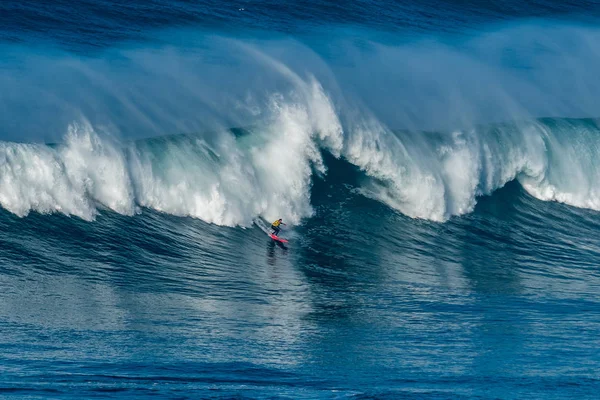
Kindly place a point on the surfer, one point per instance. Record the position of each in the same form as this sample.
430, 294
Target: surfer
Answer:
275, 226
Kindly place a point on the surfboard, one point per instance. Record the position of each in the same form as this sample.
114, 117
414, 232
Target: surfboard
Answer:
277, 238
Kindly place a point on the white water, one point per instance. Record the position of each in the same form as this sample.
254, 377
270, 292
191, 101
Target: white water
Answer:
272, 177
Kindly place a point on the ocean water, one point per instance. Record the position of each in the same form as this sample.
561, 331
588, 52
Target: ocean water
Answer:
437, 165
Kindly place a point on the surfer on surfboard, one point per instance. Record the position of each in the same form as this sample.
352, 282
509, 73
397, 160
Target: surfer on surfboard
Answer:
275, 226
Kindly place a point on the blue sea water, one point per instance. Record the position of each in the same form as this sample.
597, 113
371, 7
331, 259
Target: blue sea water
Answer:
436, 163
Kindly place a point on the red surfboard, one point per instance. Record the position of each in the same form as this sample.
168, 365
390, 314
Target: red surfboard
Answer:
278, 238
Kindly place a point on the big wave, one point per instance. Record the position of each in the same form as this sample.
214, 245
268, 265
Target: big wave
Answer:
470, 126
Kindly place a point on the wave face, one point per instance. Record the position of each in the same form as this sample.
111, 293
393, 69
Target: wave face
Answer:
436, 165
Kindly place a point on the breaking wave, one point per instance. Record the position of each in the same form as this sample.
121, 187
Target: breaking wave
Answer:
432, 125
